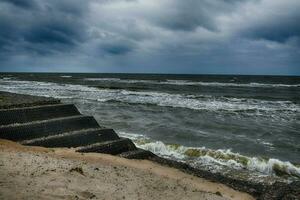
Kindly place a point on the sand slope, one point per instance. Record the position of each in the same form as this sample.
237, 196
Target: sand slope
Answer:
40, 173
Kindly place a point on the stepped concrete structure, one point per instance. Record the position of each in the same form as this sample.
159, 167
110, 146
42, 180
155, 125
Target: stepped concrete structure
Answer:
40, 121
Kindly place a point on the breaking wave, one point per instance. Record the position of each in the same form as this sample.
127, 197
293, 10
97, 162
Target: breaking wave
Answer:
215, 158
273, 109
193, 83
220, 84
121, 80
102, 79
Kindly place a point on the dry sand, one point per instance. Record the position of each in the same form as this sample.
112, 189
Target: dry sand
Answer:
41, 173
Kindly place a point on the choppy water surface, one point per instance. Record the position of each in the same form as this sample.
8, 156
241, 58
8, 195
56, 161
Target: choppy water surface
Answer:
248, 123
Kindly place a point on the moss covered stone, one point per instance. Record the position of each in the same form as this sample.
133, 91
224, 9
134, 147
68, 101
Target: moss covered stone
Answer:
217, 155
141, 141
194, 153
280, 170
174, 146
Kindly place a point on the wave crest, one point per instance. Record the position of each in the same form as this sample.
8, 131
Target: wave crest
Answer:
246, 106
192, 83
215, 158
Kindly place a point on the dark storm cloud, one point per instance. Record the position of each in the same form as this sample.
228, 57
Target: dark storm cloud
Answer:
41, 26
54, 31
117, 49
191, 36
279, 23
6, 31
22, 3
279, 32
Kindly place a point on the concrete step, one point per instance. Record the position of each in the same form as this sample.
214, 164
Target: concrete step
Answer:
75, 138
37, 129
137, 154
36, 113
109, 147
12, 100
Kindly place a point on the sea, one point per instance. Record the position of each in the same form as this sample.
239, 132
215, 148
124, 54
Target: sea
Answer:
230, 124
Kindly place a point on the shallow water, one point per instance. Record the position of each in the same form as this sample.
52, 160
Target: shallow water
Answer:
241, 122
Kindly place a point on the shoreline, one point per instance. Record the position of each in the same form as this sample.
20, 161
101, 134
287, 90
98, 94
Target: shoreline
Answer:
42, 171
12, 101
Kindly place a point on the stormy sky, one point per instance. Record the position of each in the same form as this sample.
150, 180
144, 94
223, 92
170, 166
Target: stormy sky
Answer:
151, 36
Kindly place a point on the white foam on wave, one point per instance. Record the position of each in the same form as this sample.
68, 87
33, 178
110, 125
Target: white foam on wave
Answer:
46, 89
214, 158
120, 80
194, 83
102, 79
205, 102
224, 84
66, 76
7, 78
273, 109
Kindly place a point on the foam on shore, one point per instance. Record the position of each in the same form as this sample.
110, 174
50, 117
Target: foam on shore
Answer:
216, 158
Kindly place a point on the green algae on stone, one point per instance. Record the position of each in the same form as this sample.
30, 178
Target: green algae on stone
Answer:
280, 170
226, 156
141, 141
217, 155
174, 146
296, 165
192, 153
195, 153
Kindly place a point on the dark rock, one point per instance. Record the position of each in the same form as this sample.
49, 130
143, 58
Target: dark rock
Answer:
218, 193
137, 154
77, 169
255, 189
282, 191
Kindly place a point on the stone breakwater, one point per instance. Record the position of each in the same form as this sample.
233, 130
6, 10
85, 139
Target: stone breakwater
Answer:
46, 122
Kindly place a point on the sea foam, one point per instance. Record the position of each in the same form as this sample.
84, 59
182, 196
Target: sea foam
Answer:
284, 110
214, 158
192, 83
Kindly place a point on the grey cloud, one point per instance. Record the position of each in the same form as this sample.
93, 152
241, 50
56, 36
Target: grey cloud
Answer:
54, 31
275, 20
150, 36
117, 49
186, 16
275, 31
50, 28
189, 14
76, 8
22, 3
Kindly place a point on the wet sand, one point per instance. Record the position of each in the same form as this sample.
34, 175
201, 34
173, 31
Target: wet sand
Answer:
41, 173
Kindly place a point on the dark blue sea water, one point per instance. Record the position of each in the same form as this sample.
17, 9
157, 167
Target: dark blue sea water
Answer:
239, 122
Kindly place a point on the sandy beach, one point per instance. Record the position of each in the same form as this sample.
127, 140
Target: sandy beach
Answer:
41, 173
